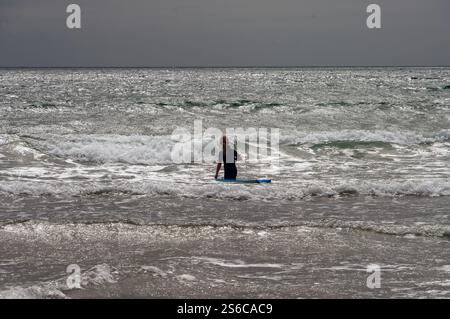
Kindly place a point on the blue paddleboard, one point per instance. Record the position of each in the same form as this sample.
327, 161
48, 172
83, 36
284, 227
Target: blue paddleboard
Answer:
244, 181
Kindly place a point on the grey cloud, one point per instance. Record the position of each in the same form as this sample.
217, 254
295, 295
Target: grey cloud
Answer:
224, 33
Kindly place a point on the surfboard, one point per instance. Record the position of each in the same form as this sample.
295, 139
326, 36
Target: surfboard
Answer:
244, 181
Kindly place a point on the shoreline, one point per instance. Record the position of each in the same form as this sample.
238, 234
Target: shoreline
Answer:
130, 261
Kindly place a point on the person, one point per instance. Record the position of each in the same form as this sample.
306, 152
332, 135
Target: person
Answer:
228, 157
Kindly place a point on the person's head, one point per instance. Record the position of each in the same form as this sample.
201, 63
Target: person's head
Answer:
224, 141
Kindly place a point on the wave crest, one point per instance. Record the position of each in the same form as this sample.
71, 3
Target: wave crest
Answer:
277, 191
377, 136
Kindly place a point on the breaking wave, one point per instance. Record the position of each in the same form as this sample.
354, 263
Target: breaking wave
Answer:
380, 136
276, 191
116, 148
53, 231
148, 150
97, 275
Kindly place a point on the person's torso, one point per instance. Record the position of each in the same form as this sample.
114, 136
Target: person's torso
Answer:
229, 157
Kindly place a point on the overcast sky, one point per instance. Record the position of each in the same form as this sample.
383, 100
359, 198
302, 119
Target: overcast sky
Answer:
224, 33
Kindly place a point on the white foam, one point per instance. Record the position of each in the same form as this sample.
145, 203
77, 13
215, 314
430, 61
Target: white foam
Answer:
32, 292
186, 277
276, 191
400, 137
154, 270
3, 139
445, 268
393, 229
97, 275
135, 149
444, 283
237, 263
115, 148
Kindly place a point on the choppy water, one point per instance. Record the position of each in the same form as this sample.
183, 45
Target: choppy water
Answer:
366, 150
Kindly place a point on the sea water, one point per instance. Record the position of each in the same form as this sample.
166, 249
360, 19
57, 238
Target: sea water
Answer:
87, 178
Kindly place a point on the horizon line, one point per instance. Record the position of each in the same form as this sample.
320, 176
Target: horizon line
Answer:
226, 67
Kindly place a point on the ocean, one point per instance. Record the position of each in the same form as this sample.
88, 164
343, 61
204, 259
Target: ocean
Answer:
87, 178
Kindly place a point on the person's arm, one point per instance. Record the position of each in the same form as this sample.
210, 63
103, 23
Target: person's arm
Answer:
219, 165
237, 157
